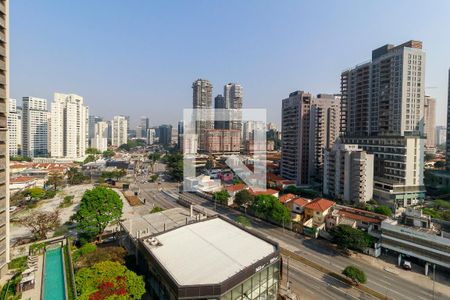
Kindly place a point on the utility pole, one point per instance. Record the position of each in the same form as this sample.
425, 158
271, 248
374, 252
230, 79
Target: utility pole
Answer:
287, 275
434, 280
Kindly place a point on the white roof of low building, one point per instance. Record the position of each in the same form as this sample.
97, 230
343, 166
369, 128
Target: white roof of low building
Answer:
208, 252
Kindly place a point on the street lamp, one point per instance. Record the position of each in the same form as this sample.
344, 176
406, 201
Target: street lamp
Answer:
434, 280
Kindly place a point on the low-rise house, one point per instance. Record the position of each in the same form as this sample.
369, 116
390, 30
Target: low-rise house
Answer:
270, 192
315, 213
362, 219
22, 182
203, 183
235, 188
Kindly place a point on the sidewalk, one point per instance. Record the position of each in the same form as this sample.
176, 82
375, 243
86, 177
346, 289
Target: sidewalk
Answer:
411, 276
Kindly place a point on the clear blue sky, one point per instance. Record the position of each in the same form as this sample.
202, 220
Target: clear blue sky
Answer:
141, 57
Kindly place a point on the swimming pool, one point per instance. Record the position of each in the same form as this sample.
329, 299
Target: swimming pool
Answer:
54, 287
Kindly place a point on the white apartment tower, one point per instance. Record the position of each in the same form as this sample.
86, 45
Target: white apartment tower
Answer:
386, 95
348, 173
233, 98
69, 126
34, 127
4, 157
14, 128
382, 110
309, 126
119, 131
429, 119
100, 139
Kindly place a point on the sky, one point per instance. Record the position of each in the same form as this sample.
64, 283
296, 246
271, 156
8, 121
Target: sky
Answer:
139, 58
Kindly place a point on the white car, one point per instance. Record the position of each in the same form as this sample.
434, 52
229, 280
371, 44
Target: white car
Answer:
12, 208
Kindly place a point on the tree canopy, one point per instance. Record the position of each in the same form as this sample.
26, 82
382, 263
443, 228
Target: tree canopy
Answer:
41, 223
243, 198
269, 207
384, 210
108, 153
55, 180
93, 151
109, 280
221, 197
355, 274
99, 207
350, 238
74, 176
175, 165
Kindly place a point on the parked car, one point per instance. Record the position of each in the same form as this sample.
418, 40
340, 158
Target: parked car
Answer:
407, 265
12, 208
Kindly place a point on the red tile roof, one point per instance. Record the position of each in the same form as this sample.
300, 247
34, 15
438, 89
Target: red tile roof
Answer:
320, 204
235, 188
22, 179
286, 197
357, 217
301, 201
263, 192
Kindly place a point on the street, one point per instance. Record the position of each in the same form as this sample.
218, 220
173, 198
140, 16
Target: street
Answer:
380, 280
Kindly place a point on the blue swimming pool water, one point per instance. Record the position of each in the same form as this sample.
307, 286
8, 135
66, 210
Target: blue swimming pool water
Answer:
54, 275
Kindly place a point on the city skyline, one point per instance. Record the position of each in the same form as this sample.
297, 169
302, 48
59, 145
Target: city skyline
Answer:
280, 62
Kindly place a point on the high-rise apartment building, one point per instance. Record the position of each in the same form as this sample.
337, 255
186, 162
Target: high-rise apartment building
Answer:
309, 126
233, 96
4, 157
69, 126
429, 126
34, 127
447, 142
14, 128
202, 99
348, 173
151, 136
100, 139
219, 103
91, 126
441, 135
382, 110
165, 135
119, 131
180, 134
386, 95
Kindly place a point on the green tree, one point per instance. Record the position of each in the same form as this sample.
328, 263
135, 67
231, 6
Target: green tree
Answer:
440, 204
175, 165
243, 198
299, 192
384, 210
108, 153
209, 164
89, 282
156, 209
221, 197
243, 221
90, 158
93, 151
355, 274
41, 223
20, 158
154, 157
154, 177
350, 238
35, 193
55, 180
98, 208
74, 176
269, 207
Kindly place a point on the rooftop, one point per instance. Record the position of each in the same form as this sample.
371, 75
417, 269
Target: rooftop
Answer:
155, 223
235, 187
263, 192
320, 204
286, 197
208, 252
